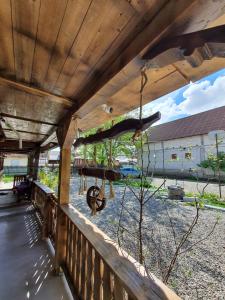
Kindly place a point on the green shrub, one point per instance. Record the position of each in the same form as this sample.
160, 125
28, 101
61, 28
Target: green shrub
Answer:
48, 178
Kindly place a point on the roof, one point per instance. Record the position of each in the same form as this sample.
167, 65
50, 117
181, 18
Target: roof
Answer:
72, 57
197, 124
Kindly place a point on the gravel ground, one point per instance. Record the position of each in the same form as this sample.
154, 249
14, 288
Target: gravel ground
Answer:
200, 272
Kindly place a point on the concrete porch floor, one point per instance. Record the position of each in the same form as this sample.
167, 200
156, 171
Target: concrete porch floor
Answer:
26, 262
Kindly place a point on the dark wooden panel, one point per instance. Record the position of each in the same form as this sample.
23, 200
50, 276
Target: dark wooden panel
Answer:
6, 39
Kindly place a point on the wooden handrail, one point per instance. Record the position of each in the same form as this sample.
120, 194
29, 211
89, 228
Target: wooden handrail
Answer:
130, 273
96, 267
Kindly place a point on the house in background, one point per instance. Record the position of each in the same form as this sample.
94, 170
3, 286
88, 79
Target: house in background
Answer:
15, 164
177, 147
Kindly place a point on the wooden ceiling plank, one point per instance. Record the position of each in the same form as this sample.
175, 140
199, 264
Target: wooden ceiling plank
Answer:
6, 40
50, 20
74, 16
97, 11
136, 25
35, 91
121, 13
25, 20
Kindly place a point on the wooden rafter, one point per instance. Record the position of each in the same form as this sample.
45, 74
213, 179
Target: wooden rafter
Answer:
27, 119
35, 91
24, 131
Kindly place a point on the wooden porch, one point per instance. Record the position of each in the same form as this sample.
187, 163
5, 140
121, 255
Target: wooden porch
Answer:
91, 266
61, 61
27, 261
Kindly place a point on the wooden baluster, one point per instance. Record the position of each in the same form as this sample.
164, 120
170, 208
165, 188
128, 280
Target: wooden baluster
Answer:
74, 254
69, 266
78, 263
107, 286
90, 271
71, 248
83, 268
118, 289
67, 240
97, 277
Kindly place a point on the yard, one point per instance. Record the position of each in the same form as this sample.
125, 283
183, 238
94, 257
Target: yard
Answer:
199, 272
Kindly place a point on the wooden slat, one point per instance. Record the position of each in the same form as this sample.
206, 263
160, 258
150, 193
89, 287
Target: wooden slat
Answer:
87, 32
67, 241
83, 268
74, 254
6, 39
50, 20
107, 285
132, 276
97, 277
70, 27
71, 249
25, 16
118, 289
78, 266
121, 13
90, 272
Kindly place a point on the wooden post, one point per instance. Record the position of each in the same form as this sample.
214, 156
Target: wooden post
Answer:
33, 162
66, 135
36, 163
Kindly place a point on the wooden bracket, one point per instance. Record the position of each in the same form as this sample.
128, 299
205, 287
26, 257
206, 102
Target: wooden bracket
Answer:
194, 47
66, 133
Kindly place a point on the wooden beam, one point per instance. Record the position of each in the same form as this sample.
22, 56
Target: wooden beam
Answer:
23, 131
35, 91
66, 135
12, 146
27, 119
132, 46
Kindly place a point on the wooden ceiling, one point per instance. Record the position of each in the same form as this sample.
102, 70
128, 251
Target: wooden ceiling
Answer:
63, 57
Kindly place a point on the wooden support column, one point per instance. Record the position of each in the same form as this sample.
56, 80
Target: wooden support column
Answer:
30, 163
66, 135
33, 162
36, 163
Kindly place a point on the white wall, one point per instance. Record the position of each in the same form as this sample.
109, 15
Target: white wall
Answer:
158, 156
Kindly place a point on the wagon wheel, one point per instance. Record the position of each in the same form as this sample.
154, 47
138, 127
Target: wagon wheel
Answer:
93, 195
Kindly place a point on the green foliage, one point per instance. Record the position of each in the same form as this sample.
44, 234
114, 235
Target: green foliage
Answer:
7, 178
48, 178
206, 198
214, 163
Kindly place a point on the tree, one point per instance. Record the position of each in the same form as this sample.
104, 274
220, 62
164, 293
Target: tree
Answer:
214, 163
120, 146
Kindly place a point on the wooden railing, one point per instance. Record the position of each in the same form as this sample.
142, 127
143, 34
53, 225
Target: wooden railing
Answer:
45, 201
94, 265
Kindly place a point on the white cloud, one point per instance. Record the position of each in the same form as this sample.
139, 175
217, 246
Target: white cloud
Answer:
203, 96
198, 97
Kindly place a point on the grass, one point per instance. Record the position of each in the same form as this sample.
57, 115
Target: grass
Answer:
207, 198
7, 178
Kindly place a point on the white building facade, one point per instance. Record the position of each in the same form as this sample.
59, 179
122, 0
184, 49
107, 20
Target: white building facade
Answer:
171, 151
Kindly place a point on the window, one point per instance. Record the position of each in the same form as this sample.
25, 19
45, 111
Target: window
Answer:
174, 156
188, 155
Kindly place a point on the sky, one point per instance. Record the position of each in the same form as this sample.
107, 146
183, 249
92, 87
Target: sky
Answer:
203, 95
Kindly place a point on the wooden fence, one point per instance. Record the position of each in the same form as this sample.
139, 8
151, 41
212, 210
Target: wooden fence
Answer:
95, 266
